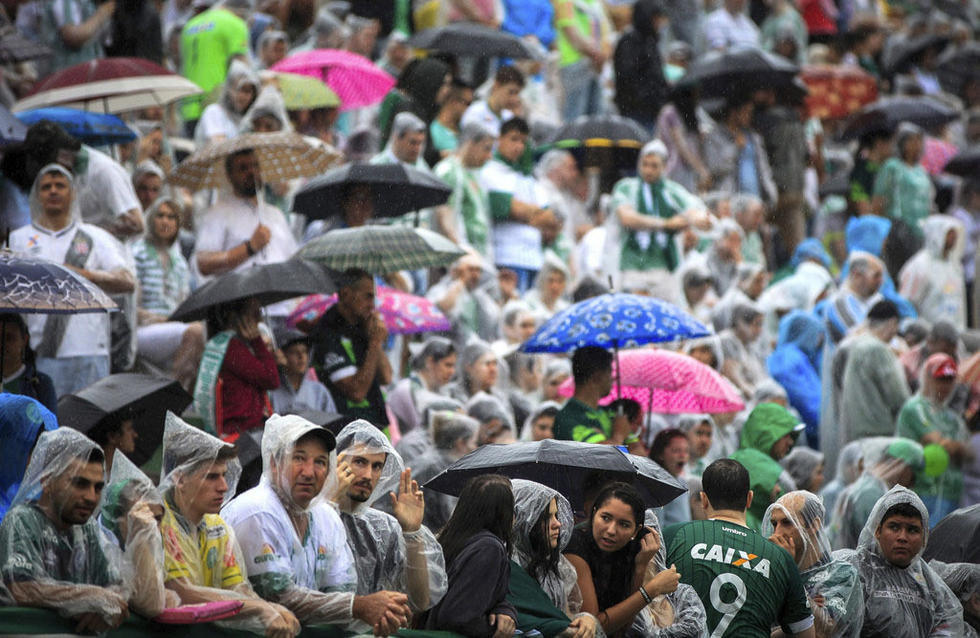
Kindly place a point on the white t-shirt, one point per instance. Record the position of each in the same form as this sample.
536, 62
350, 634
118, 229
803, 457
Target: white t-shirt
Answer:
269, 544
214, 121
479, 111
105, 190
723, 30
87, 334
515, 244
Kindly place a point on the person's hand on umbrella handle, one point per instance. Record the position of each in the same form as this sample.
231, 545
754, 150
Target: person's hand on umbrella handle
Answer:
377, 330
260, 237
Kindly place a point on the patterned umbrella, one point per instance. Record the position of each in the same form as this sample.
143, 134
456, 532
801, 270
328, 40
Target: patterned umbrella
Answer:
95, 129
356, 80
381, 249
109, 85
34, 285
669, 383
304, 92
602, 131
403, 313
614, 320
282, 157
837, 91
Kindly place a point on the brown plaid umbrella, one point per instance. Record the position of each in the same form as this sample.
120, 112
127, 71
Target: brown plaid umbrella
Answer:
282, 157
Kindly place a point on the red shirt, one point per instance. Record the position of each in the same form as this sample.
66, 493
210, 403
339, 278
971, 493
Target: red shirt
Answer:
247, 373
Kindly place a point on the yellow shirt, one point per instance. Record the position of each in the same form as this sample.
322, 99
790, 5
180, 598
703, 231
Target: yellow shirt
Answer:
207, 556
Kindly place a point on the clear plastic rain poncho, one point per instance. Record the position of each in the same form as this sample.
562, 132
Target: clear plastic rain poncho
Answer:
963, 579
312, 576
531, 501
387, 558
419, 441
679, 614
887, 460
842, 611
848, 471
910, 602
453, 435
130, 504
801, 463
52, 552
268, 104
688, 422
203, 560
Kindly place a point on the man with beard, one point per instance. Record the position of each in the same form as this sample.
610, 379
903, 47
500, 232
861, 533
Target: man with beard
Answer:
348, 353
239, 231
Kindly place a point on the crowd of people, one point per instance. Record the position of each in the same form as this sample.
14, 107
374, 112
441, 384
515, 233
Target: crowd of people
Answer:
835, 272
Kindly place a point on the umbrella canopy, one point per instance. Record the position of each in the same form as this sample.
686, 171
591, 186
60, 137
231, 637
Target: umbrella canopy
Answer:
965, 164
148, 396
304, 92
564, 466
957, 64
900, 56
669, 383
837, 91
34, 285
722, 73
395, 188
956, 538
887, 113
269, 283
16, 48
402, 313
110, 85
282, 157
471, 40
356, 80
600, 131
94, 129
614, 320
381, 249
12, 130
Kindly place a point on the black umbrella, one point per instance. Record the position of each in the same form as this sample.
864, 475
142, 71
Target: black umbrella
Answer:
600, 130
652, 481
721, 74
966, 163
887, 113
956, 538
149, 397
396, 189
903, 53
564, 466
269, 283
470, 39
957, 64
16, 48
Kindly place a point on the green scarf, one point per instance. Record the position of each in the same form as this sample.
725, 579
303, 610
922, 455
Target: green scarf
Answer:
655, 255
534, 609
207, 379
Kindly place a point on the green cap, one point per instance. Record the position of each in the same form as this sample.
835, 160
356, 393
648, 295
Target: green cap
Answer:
908, 451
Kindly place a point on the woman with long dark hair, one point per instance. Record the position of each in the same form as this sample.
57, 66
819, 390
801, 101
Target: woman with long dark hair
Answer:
611, 553
20, 374
476, 543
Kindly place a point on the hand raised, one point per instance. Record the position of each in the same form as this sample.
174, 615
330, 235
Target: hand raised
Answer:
408, 505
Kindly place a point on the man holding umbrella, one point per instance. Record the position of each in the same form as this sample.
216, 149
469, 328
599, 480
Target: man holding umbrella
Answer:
348, 349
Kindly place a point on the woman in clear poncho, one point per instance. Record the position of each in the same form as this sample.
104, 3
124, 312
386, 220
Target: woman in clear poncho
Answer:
805, 467
202, 559
453, 435
433, 365
928, 419
477, 371
903, 596
52, 552
293, 542
888, 461
796, 523
222, 120
700, 431
394, 551
963, 579
129, 514
849, 466
543, 523
547, 297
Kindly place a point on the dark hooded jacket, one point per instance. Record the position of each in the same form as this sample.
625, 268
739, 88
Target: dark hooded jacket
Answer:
641, 89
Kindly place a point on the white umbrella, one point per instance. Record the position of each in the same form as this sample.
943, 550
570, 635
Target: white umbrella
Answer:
114, 96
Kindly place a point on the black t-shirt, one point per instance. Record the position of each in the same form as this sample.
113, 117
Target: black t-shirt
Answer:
338, 349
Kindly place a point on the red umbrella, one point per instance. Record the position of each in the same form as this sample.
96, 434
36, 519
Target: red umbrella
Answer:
356, 80
837, 91
403, 313
669, 383
109, 85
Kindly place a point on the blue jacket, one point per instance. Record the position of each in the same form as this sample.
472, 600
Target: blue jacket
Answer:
795, 364
22, 419
868, 233
530, 17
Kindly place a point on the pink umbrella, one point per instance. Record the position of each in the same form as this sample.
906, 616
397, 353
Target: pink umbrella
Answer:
356, 80
403, 313
669, 383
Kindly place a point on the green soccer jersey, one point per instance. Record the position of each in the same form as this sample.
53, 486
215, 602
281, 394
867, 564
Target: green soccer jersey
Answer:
747, 583
207, 41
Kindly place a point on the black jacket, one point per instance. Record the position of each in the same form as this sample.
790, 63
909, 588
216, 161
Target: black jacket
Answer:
641, 89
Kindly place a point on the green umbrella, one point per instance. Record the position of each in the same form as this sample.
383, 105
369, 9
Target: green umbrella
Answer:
381, 249
303, 92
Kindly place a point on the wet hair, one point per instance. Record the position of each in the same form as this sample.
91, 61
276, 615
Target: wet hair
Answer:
588, 288
901, 509
661, 441
544, 557
509, 75
110, 424
485, 504
587, 361
726, 484
882, 311
350, 277
436, 348
944, 331
631, 408
30, 359
95, 455
518, 124
625, 493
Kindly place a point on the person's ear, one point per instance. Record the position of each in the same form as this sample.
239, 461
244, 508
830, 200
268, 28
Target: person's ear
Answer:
705, 503
748, 500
